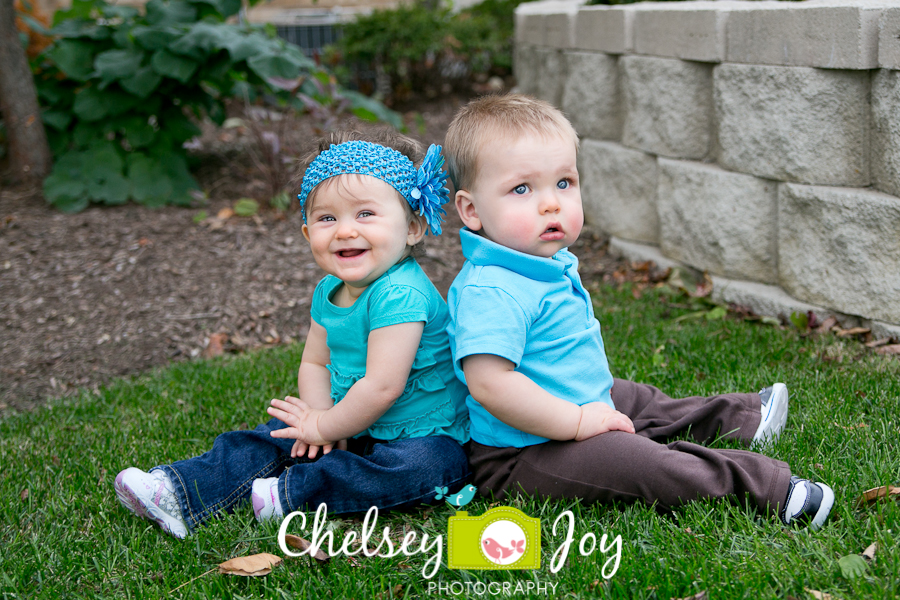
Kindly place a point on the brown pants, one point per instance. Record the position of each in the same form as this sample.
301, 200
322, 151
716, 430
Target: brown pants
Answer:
645, 466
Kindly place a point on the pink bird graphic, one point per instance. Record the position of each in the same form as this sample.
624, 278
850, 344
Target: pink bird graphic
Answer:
493, 549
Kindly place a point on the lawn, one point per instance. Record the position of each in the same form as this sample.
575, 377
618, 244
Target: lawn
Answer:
64, 535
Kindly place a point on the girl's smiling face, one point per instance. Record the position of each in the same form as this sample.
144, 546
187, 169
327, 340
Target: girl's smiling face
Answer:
358, 228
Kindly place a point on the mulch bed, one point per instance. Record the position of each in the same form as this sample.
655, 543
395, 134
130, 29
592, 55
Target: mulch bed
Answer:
114, 291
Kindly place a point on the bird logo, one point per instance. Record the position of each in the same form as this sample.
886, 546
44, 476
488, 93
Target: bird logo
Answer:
494, 550
459, 499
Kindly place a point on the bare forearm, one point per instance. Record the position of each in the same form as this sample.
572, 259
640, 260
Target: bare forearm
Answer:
519, 402
314, 385
364, 404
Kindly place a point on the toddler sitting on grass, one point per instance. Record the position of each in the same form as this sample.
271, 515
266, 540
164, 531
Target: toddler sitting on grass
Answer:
547, 416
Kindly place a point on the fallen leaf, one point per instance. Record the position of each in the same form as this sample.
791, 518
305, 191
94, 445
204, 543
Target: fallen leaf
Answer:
225, 213
216, 345
853, 331
698, 596
295, 541
256, 565
246, 207
852, 565
826, 325
820, 595
869, 553
23, 495
876, 343
892, 349
874, 494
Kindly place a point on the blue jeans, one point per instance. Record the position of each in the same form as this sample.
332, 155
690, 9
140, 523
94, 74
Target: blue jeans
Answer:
390, 475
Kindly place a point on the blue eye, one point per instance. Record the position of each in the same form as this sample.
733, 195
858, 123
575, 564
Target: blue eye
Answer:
563, 184
520, 189
365, 213
326, 218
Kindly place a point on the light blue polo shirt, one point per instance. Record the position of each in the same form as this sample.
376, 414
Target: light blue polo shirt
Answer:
534, 312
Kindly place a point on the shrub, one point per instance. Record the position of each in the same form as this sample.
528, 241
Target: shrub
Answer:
122, 91
420, 48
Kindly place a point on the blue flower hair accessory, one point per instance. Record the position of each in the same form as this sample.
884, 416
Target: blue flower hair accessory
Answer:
424, 188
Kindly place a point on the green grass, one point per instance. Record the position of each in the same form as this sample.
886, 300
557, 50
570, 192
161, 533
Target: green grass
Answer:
65, 535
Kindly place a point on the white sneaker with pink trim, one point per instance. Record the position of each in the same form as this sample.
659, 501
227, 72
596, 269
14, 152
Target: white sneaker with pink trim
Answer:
264, 494
151, 496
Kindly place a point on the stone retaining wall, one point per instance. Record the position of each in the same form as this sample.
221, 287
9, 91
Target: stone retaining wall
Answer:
759, 141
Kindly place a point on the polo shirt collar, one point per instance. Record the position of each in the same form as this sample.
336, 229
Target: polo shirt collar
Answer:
484, 252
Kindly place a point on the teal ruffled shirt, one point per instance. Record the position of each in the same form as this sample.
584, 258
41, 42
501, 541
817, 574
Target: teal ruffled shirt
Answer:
434, 400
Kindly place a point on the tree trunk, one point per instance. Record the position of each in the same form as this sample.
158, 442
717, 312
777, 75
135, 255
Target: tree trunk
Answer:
29, 153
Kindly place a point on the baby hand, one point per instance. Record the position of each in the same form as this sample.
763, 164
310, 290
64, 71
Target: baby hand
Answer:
598, 417
302, 425
300, 448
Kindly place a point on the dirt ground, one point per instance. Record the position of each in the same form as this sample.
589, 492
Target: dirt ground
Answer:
117, 290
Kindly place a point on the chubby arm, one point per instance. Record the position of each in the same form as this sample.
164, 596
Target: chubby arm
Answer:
389, 359
519, 402
313, 377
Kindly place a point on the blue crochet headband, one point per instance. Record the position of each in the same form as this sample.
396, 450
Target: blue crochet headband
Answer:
424, 188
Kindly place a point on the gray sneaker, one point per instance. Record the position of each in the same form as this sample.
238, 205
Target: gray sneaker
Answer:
774, 411
807, 503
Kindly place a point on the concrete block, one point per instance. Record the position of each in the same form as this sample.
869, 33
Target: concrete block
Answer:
718, 221
549, 23
668, 106
889, 38
635, 252
885, 139
552, 75
618, 189
793, 123
604, 29
840, 247
670, 30
560, 29
770, 301
527, 68
832, 35
882, 330
530, 27
591, 97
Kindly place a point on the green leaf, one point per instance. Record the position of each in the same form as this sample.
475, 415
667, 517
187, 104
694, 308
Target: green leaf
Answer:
242, 47
852, 565
118, 64
246, 207
274, 65
202, 39
800, 320
112, 11
169, 13
151, 185
90, 104
74, 58
78, 28
64, 188
142, 83
138, 132
154, 38
370, 109
226, 8
86, 133
58, 119
79, 9
177, 67
717, 313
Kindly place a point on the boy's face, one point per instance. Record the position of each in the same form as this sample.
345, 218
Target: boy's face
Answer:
526, 195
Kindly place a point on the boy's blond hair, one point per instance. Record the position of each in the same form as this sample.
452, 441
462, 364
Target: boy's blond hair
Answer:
492, 117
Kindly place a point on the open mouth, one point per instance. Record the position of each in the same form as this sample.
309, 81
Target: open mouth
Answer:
350, 253
553, 233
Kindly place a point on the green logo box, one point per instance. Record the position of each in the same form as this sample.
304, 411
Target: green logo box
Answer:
503, 538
